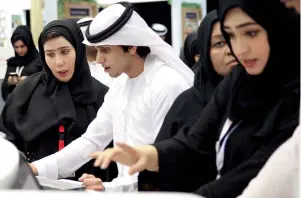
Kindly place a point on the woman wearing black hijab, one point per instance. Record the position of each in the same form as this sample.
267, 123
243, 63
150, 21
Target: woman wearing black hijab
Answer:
52, 108
189, 52
215, 62
253, 110
24, 63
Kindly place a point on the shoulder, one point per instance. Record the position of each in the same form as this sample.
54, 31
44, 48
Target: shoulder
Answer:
98, 86
186, 100
30, 81
11, 61
37, 62
26, 87
166, 85
185, 97
165, 78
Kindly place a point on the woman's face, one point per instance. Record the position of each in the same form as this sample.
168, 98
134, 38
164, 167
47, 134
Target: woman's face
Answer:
20, 48
222, 59
60, 57
249, 41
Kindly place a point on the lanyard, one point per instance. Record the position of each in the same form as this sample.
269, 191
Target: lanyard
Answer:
61, 137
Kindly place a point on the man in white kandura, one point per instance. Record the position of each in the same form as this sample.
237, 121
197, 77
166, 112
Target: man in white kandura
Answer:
138, 100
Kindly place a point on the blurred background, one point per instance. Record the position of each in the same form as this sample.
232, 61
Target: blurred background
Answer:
180, 17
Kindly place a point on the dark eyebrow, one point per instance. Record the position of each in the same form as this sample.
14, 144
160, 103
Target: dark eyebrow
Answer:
242, 25
64, 47
19, 45
218, 36
101, 47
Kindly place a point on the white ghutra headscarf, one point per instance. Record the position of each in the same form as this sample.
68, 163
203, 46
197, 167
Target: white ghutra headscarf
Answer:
84, 23
135, 32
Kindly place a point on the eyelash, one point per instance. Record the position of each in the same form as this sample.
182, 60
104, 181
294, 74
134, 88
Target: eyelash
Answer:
252, 33
50, 55
104, 51
65, 52
217, 44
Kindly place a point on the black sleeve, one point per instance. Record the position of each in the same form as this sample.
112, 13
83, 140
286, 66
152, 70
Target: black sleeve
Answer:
282, 127
150, 181
33, 67
234, 182
187, 160
6, 89
10, 111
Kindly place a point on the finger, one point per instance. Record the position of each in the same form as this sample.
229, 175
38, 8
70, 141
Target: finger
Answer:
94, 155
85, 176
108, 159
92, 181
99, 160
127, 148
98, 156
139, 166
96, 187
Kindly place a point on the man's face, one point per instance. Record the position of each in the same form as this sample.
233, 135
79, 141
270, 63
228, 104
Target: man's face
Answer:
113, 59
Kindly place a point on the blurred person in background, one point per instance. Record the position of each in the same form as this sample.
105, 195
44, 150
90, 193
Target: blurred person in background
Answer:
25, 62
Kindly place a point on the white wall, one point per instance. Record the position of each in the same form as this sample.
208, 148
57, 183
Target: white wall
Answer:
50, 12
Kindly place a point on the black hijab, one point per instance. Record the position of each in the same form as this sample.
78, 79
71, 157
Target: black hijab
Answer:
41, 101
206, 79
190, 49
23, 33
80, 85
253, 96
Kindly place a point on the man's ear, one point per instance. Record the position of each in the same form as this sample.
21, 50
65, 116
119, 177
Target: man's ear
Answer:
132, 50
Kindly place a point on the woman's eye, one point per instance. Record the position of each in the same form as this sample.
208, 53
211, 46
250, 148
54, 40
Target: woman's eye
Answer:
50, 55
252, 33
219, 44
65, 52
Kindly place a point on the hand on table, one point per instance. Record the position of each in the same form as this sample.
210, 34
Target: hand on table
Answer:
91, 182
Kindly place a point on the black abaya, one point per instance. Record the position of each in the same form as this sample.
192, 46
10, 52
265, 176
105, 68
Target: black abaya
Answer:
266, 105
35, 110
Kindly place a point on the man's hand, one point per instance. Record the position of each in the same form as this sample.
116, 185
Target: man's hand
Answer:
91, 182
138, 158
